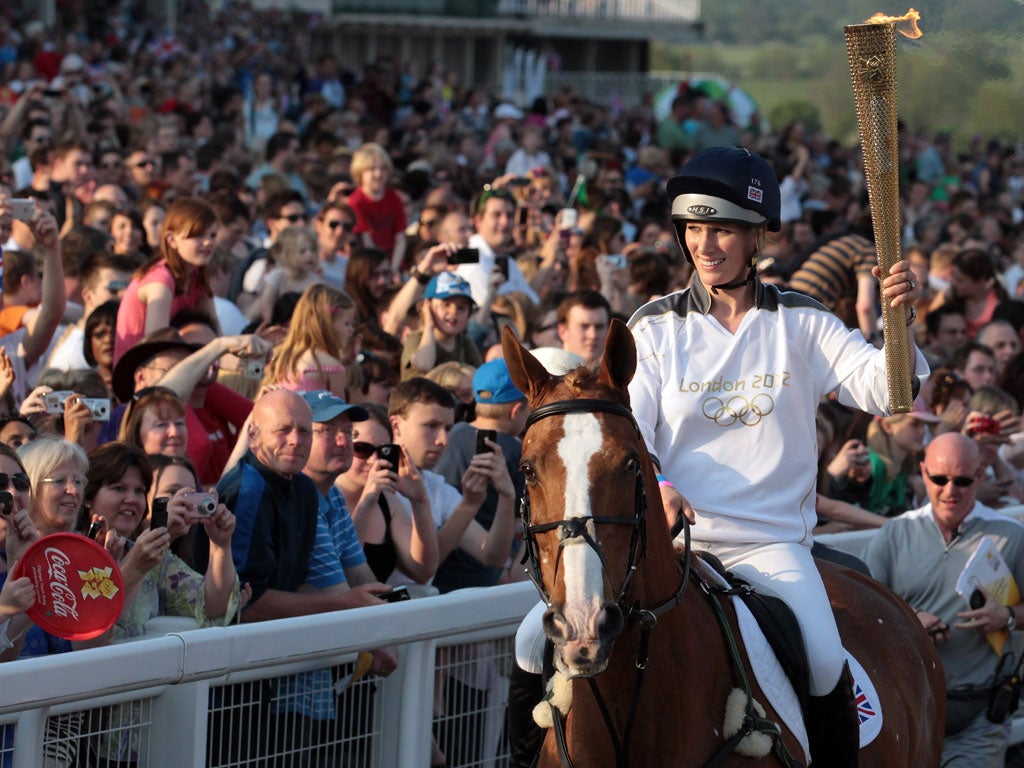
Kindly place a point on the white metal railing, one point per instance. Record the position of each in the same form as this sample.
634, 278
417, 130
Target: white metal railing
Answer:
172, 680
623, 10
173, 699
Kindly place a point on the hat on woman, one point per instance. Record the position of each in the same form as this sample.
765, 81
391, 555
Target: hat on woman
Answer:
728, 184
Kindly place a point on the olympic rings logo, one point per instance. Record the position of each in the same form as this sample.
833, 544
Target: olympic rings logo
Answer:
725, 413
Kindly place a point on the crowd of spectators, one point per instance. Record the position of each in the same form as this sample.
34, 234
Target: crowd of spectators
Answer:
251, 273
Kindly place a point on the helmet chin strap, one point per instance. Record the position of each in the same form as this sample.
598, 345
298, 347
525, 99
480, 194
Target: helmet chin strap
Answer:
748, 280
751, 273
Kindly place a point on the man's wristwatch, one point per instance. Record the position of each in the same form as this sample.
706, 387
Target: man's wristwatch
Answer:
1011, 620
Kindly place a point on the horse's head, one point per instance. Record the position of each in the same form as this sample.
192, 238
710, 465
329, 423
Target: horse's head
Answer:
584, 463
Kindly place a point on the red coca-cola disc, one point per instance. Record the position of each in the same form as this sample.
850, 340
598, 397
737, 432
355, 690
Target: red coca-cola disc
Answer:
79, 588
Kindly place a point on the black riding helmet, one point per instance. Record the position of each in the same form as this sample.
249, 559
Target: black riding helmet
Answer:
728, 184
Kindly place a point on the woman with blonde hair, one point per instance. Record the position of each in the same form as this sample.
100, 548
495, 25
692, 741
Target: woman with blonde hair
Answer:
992, 421
886, 483
313, 354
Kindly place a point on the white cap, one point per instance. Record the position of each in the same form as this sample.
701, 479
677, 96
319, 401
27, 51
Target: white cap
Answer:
556, 360
507, 111
72, 63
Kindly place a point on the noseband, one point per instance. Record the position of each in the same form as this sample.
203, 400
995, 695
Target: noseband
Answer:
577, 527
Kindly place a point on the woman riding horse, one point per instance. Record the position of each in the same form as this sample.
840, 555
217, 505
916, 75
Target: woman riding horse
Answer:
730, 373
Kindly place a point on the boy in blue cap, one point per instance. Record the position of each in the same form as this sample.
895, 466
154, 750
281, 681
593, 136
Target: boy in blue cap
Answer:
445, 311
502, 408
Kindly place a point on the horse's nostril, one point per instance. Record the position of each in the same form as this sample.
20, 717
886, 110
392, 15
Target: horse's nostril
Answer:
584, 651
611, 623
555, 625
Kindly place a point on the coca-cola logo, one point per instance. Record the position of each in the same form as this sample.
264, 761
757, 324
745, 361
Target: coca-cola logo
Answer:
63, 601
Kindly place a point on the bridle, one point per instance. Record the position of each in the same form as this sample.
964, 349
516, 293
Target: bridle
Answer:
571, 528
577, 527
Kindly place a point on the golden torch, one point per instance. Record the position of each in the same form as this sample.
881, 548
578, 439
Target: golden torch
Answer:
871, 47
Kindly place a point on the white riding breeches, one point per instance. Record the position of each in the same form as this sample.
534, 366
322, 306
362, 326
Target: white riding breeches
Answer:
530, 640
785, 570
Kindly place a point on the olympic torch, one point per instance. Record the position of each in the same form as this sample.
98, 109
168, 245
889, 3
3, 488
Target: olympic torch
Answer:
871, 47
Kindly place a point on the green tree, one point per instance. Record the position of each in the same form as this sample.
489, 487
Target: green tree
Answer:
775, 60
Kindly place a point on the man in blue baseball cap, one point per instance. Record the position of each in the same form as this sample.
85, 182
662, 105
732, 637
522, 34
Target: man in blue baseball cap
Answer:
337, 555
337, 576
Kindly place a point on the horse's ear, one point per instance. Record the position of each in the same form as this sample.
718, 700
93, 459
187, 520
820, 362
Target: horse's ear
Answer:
527, 373
618, 363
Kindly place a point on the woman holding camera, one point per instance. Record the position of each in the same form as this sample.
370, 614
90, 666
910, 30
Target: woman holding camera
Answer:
157, 582
389, 504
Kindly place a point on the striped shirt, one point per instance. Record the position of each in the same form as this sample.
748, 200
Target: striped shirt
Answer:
830, 273
336, 547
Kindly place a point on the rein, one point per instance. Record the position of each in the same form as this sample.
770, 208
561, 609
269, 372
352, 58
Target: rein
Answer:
570, 528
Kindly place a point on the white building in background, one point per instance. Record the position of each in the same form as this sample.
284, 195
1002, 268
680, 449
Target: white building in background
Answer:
515, 46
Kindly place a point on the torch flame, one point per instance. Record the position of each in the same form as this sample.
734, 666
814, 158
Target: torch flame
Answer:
912, 16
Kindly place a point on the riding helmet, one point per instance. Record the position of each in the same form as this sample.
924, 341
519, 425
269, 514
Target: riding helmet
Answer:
728, 184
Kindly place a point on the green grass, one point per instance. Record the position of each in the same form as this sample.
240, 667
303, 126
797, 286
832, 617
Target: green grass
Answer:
962, 83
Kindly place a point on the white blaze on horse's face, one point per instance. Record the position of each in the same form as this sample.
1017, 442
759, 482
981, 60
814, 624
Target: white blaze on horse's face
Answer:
584, 583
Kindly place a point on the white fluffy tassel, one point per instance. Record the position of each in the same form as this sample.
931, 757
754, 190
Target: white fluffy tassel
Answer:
559, 696
756, 744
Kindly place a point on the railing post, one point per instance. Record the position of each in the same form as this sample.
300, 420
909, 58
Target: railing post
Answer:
28, 738
408, 707
177, 736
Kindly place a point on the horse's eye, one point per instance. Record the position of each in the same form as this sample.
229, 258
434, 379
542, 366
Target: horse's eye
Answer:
632, 464
529, 473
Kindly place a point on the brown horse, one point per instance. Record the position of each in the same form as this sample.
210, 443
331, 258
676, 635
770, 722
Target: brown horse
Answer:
619, 605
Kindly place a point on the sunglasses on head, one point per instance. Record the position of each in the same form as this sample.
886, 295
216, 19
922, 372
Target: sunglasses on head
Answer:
960, 481
489, 192
363, 450
19, 480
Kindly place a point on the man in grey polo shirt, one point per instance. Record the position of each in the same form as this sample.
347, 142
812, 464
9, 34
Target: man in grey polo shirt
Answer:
920, 555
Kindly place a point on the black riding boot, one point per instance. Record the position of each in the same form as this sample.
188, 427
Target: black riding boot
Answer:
525, 691
833, 727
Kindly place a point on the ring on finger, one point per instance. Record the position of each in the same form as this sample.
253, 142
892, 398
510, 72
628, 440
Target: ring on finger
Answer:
913, 284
